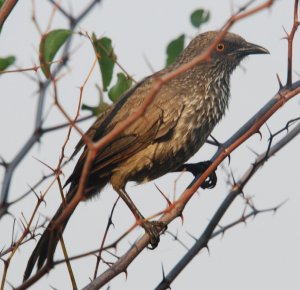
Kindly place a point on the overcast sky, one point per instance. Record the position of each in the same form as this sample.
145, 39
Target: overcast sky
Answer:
265, 254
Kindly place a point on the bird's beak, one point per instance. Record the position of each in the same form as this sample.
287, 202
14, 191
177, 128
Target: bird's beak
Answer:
251, 48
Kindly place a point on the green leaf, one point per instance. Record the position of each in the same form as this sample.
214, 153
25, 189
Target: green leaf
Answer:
199, 17
122, 85
49, 45
5, 62
106, 59
97, 110
174, 48
102, 106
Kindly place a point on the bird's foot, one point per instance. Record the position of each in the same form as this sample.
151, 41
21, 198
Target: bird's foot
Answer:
199, 168
153, 229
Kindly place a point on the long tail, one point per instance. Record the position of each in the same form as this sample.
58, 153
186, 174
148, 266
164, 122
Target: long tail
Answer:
47, 244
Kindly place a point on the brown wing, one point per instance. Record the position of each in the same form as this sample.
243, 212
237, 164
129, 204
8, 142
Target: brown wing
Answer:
157, 122
90, 132
143, 132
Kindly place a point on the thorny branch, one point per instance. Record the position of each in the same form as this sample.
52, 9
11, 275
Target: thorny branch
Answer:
38, 131
157, 84
236, 189
290, 39
250, 128
169, 278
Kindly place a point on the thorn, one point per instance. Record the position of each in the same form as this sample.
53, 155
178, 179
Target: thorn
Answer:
24, 226
259, 133
164, 280
269, 129
36, 225
12, 232
4, 261
168, 201
32, 189
194, 238
3, 162
229, 159
215, 141
269, 147
126, 273
222, 229
232, 176
207, 248
53, 170
289, 123
243, 220
182, 218
175, 236
286, 33
42, 199
177, 239
111, 223
114, 246
279, 82
163, 271
242, 193
280, 205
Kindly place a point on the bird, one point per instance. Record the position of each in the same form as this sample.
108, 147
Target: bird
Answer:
173, 128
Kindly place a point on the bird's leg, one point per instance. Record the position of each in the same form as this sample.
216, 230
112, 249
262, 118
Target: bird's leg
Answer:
153, 228
197, 169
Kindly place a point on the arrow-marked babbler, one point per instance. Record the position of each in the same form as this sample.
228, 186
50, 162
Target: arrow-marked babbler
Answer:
174, 127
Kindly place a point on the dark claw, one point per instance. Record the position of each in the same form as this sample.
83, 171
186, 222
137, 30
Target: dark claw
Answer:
153, 229
197, 169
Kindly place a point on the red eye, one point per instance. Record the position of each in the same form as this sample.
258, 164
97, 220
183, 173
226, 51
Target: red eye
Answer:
220, 47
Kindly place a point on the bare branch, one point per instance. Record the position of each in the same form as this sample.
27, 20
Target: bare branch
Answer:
208, 234
6, 9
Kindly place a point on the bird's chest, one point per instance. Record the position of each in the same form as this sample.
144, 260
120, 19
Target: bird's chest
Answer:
198, 121
190, 134
198, 118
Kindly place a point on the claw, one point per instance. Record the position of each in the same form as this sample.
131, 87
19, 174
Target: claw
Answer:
198, 168
210, 181
153, 229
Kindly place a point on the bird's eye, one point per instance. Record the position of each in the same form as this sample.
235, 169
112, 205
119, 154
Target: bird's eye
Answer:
220, 46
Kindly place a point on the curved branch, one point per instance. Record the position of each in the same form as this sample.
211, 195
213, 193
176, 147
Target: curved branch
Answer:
237, 188
6, 9
36, 135
172, 212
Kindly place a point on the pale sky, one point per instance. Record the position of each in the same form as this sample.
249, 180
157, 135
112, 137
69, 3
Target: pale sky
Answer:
264, 254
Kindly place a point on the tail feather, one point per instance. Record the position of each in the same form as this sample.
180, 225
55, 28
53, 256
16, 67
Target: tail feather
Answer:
47, 244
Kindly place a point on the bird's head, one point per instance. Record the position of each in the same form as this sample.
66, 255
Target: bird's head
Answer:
227, 53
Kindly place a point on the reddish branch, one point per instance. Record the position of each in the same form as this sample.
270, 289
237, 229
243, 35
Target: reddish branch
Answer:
174, 210
21, 240
38, 131
157, 84
236, 189
6, 9
290, 38
250, 128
